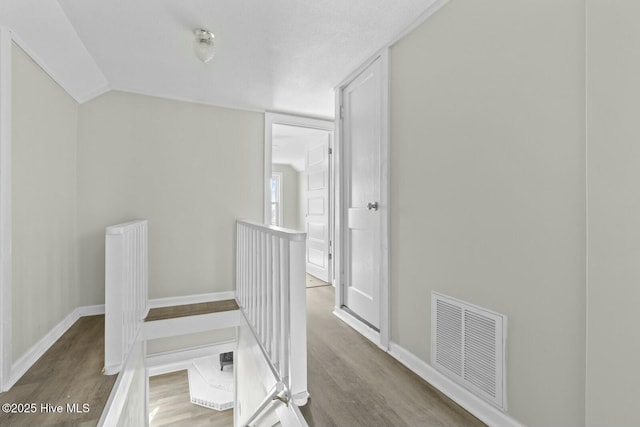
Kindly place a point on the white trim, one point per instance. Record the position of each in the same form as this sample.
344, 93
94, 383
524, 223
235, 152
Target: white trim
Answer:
364, 330
164, 363
90, 310
147, 421
177, 98
5, 210
385, 200
190, 324
306, 122
435, 6
191, 299
79, 98
385, 206
481, 409
291, 416
31, 356
285, 119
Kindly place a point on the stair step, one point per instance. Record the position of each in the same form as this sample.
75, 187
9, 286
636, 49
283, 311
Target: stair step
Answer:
176, 311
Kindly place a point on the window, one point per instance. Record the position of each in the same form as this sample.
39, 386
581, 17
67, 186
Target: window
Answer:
276, 199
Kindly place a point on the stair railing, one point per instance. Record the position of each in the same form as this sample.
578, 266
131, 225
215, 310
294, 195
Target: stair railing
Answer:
126, 289
271, 294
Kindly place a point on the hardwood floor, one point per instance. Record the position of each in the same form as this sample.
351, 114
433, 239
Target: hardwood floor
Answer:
353, 383
169, 404
313, 281
69, 372
173, 312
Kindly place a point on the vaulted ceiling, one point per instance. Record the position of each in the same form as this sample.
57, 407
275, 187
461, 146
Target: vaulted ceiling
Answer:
278, 55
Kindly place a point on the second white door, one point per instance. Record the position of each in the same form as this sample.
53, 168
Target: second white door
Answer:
318, 208
362, 109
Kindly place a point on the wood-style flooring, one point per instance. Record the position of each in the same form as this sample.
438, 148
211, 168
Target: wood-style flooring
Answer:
313, 282
69, 372
169, 404
354, 383
176, 311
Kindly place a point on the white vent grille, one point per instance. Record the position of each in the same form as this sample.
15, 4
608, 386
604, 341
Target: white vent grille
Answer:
468, 346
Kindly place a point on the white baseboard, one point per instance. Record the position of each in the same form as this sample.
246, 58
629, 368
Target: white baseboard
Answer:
357, 324
484, 411
90, 310
173, 361
191, 299
20, 366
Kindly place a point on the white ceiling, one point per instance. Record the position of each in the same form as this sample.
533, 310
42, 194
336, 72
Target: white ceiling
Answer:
289, 144
278, 55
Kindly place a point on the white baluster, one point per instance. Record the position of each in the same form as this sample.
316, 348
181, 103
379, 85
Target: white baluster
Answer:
271, 280
277, 307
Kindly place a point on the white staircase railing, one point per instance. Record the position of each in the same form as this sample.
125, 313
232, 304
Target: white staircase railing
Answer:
271, 293
126, 289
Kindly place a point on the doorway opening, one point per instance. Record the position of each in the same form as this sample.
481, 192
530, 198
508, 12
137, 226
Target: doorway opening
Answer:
300, 187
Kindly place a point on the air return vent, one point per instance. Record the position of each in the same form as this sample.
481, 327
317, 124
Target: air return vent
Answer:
468, 346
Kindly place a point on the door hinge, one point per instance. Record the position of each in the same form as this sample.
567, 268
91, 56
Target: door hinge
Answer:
330, 150
341, 112
330, 257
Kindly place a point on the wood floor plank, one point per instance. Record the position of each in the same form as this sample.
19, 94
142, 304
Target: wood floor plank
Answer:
170, 405
69, 372
313, 281
162, 313
353, 383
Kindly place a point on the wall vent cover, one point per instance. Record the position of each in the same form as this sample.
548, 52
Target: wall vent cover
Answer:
468, 345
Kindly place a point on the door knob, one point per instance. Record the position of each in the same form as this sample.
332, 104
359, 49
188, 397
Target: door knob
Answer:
372, 206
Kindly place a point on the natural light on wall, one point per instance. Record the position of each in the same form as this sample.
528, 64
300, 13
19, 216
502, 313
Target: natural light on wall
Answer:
276, 205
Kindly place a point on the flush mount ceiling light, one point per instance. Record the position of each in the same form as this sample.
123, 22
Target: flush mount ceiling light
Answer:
203, 44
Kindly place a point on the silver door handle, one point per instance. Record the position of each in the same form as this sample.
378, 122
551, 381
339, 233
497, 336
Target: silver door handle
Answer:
372, 206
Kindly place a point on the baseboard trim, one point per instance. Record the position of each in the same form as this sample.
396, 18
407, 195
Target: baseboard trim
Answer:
191, 299
484, 411
360, 327
164, 363
90, 310
31, 356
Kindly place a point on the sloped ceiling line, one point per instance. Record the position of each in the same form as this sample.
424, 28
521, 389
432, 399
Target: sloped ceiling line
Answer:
282, 55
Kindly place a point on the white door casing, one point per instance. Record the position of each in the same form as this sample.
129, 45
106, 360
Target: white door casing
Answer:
362, 154
306, 122
318, 207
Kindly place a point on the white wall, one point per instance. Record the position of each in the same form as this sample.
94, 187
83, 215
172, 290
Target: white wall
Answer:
613, 88
44, 244
290, 196
191, 170
488, 188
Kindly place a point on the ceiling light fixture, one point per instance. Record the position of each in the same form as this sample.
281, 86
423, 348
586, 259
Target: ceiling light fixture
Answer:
203, 44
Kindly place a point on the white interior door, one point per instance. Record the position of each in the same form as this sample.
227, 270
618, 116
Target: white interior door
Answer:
362, 112
318, 208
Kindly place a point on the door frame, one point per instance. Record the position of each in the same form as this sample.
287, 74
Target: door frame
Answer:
271, 118
383, 337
